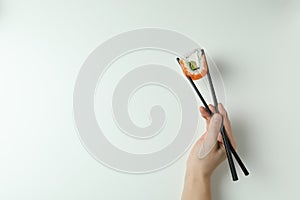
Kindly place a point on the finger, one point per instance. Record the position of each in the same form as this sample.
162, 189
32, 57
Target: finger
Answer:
223, 112
212, 108
226, 123
211, 137
204, 113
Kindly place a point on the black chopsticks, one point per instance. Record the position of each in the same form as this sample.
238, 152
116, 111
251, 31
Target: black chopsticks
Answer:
228, 146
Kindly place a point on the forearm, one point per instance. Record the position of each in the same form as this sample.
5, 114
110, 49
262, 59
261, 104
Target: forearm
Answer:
196, 189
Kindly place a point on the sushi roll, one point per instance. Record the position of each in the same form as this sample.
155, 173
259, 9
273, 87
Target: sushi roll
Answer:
194, 65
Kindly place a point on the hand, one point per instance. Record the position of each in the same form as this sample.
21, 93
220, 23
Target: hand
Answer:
206, 154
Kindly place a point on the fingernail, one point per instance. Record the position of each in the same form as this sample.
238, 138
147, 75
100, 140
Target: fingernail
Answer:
217, 118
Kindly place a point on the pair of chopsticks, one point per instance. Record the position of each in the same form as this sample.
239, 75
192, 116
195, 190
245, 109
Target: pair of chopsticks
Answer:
227, 144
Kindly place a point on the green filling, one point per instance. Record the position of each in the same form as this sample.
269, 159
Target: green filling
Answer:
193, 65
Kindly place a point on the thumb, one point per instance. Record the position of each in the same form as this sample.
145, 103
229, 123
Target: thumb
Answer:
212, 136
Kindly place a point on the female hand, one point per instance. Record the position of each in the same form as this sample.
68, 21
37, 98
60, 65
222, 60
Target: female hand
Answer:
207, 153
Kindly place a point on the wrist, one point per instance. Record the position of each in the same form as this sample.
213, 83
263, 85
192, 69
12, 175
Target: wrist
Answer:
198, 175
197, 179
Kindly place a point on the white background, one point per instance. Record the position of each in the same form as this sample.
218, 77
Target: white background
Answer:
44, 43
